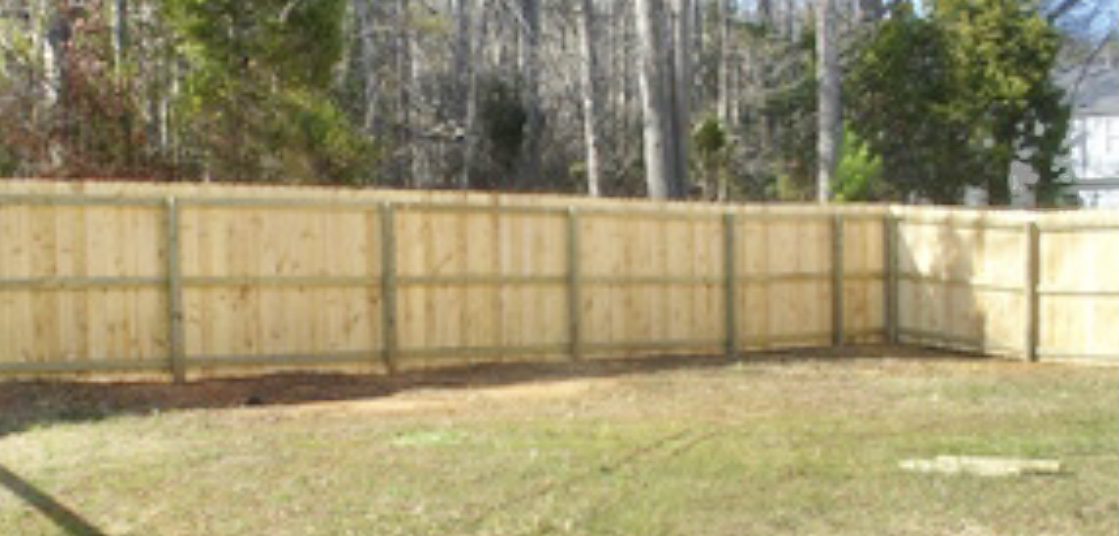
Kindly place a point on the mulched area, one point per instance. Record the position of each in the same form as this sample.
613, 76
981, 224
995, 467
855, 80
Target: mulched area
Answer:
25, 404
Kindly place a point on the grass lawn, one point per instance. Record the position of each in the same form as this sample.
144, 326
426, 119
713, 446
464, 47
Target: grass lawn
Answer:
804, 443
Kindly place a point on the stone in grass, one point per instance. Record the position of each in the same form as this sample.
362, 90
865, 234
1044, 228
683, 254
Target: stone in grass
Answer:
983, 466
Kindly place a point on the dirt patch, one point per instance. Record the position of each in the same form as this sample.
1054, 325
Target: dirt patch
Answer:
27, 403
436, 400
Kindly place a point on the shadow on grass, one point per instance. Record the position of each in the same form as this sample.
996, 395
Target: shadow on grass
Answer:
27, 404
65, 518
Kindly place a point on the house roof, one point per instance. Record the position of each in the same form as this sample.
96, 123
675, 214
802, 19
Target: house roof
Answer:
1098, 92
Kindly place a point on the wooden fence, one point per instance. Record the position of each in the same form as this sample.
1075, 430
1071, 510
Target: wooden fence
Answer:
1037, 285
121, 277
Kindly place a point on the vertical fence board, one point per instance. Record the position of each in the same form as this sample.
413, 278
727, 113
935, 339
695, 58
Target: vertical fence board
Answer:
891, 280
574, 294
730, 283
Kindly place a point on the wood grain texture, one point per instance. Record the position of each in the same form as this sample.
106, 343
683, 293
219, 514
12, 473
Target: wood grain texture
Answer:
304, 279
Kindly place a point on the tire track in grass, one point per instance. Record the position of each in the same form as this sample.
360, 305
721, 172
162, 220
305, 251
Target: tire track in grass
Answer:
669, 445
601, 503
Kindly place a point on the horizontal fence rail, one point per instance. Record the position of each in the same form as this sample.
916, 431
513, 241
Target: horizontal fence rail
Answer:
182, 283
1031, 286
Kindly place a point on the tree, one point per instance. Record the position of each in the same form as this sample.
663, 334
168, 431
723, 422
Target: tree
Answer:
1004, 52
654, 101
710, 141
256, 82
828, 99
592, 106
67, 98
900, 102
859, 174
954, 99
665, 75
477, 40
530, 79
726, 42
367, 52
508, 95
680, 85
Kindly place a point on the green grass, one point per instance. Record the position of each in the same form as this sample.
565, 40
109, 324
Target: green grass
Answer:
798, 447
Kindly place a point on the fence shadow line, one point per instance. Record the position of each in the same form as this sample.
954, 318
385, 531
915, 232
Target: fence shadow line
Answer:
26, 404
66, 519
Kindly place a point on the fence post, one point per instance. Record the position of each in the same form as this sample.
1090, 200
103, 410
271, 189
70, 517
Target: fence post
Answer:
176, 351
837, 280
1033, 244
730, 258
890, 292
574, 294
388, 287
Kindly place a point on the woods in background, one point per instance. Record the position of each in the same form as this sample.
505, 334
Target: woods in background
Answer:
714, 99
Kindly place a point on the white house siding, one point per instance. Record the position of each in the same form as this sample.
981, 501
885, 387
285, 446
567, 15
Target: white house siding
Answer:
1095, 147
1094, 159
1099, 198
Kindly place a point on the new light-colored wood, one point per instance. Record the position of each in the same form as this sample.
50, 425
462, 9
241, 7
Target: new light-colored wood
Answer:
1074, 265
961, 276
251, 319
863, 297
71, 323
478, 276
679, 263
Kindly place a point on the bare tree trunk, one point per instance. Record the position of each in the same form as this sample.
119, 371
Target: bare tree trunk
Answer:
630, 84
169, 138
765, 12
363, 12
120, 34
725, 66
727, 116
405, 74
592, 106
828, 97
609, 84
462, 63
654, 101
790, 20
530, 71
470, 128
121, 45
56, 72
698, 50
681, 96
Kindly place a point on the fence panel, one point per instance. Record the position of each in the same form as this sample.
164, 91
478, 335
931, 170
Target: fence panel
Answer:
302, 276
651, 282
962, 280
81, 286
864, 272
1078, 287
288, 279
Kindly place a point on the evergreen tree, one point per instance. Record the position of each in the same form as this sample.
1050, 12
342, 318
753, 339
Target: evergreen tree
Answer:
1003, 53
258, 101
954, 99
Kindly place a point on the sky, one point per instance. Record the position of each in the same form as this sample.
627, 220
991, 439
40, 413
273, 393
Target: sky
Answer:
1091, 20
